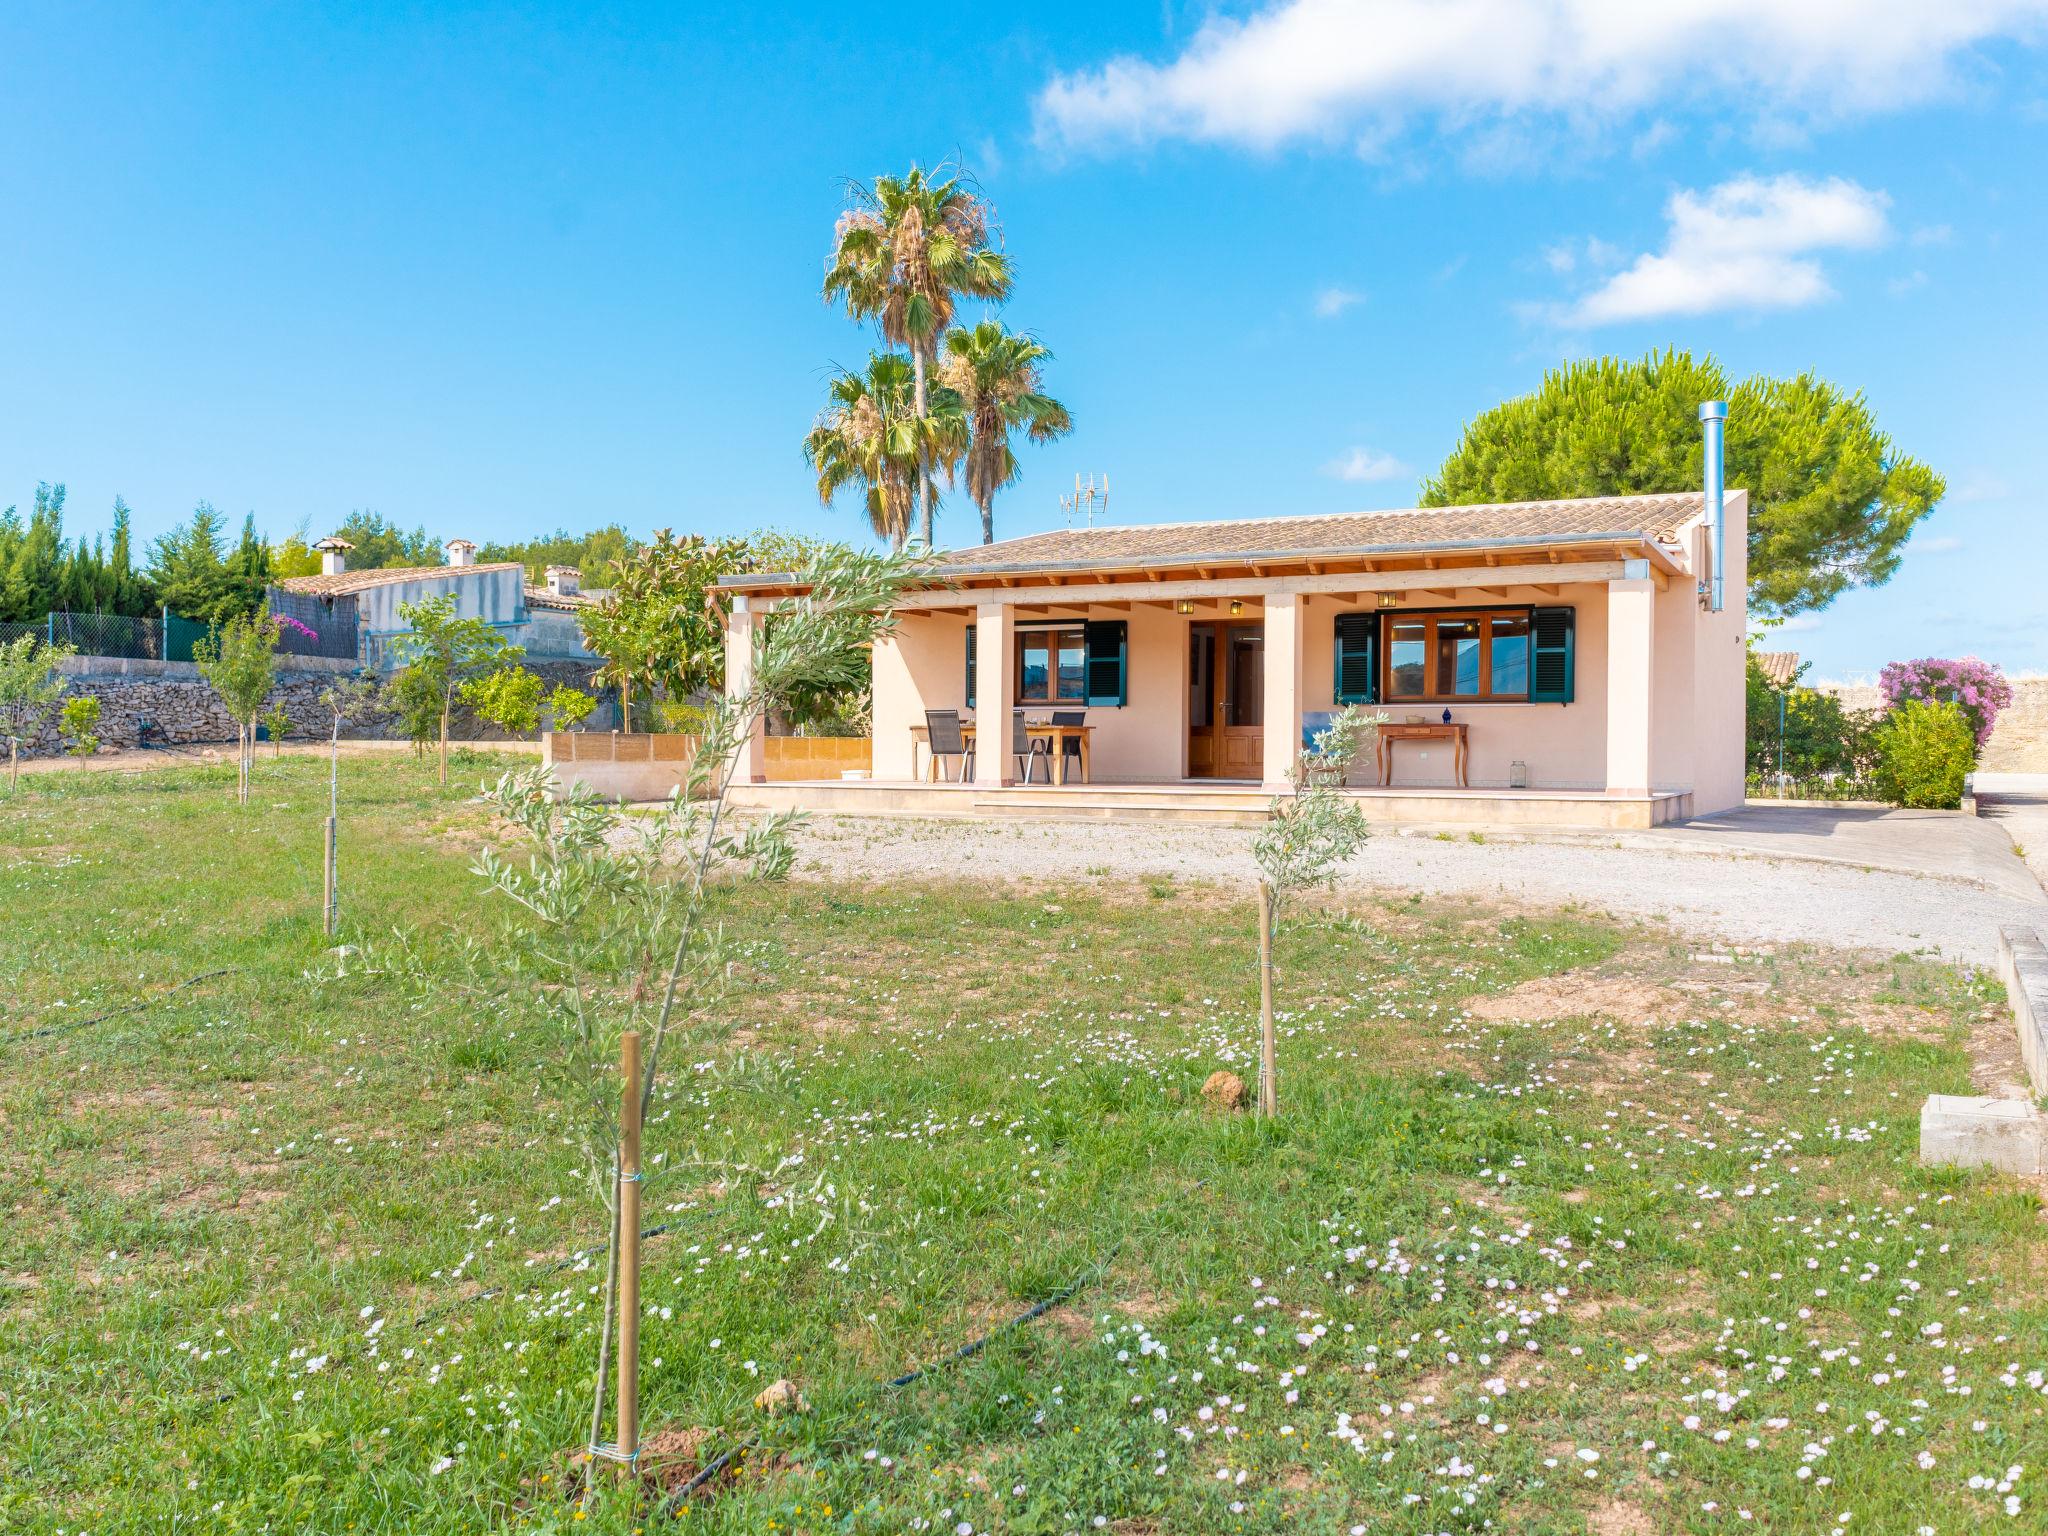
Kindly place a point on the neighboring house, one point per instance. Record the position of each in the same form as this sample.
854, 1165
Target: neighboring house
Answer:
1780, 668
544, 619
1576, 642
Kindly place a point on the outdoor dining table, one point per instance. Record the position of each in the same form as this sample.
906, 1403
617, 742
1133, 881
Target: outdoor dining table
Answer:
1057, 735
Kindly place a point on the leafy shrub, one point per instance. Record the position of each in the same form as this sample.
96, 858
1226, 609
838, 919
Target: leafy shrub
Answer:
509, 698
1977, 687
1813, 737
569, 707
80, 720
1923, 753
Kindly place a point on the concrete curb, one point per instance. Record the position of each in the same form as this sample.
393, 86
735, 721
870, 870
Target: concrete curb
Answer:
2010, 1135
2023, 967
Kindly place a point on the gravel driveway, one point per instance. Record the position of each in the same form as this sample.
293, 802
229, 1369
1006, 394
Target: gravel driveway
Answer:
1700, 891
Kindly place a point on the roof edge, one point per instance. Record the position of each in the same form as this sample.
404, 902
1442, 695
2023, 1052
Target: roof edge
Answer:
1228, 557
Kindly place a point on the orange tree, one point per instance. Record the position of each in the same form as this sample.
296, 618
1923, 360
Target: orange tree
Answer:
662, 630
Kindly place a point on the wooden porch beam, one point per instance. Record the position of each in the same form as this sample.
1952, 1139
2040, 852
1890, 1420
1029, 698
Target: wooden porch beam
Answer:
1349, 582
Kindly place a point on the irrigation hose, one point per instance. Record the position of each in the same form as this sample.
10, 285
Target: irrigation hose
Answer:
973, 1347
113, 1013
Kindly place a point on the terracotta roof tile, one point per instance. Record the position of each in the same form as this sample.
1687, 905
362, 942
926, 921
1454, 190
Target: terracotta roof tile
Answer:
358, 581
541, 597
1275, 538
1780, 667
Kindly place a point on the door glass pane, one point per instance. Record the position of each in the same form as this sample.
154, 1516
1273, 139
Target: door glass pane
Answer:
1073, 665
1247, 679
1201, 652
1407, 659
1035, 645
1457, 657
1510, 655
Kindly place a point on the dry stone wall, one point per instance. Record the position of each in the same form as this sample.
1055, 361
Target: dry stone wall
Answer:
181, 710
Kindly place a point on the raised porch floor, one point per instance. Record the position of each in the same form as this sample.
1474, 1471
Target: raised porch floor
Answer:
1241, 804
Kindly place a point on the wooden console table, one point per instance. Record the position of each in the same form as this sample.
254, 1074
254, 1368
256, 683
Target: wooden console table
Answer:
1454, 733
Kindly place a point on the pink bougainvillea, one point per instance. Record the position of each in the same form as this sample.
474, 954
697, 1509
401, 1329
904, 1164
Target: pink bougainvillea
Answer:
295, 627
1978, 686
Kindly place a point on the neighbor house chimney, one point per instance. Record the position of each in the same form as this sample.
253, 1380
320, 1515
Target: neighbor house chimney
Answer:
461, 552
333, 555
564, 580
1712, 415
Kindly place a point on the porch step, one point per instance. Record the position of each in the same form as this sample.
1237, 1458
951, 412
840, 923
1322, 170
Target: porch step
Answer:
1247, 809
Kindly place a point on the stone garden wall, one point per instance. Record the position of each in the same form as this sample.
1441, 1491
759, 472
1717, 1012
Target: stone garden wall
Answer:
184, 711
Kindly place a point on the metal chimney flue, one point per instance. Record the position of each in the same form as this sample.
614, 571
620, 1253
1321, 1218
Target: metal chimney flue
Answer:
1713, 414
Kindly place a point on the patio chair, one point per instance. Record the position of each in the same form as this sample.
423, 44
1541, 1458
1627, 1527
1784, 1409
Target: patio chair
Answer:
1026, 748
946, 739
1070, 746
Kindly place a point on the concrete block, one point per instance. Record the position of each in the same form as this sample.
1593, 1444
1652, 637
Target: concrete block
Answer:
2007, 1134
2023, 967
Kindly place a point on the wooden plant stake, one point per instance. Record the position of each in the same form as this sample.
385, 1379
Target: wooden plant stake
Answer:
1269, 1087
330, 896
629, 1251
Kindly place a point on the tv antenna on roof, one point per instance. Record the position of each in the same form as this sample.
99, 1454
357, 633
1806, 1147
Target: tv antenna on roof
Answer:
1087, 500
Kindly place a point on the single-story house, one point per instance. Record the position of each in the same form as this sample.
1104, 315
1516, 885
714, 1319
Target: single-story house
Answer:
544, 619
1558, 662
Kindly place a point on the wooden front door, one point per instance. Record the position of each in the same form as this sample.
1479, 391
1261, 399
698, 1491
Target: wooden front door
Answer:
1226, 701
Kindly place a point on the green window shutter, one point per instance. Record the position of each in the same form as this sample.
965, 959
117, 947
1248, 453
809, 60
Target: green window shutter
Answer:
1108, 661
1358, 658
972, 628
1550, 678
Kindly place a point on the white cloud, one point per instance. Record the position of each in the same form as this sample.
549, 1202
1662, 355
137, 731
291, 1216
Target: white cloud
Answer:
1943, 545
1933, 234
1800, 623
1333, 301
1345, 70
1899, 287
1746, 244
1366, 464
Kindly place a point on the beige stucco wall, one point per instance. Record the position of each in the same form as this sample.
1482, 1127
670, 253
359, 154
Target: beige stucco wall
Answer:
1565, 745
923, 665
1693, 722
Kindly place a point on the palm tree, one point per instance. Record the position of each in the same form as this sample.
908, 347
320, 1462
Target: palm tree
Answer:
995, 374
909, 248
870, 435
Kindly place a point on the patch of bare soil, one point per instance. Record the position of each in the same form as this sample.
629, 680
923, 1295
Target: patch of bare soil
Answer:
1616, 1518
1996, 1067
1574, 996
669, 1458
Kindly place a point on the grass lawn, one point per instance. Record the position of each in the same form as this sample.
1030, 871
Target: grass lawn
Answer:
1562, 1228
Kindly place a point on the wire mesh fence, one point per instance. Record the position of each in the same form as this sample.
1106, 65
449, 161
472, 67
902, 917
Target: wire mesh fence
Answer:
314, 625
152, 637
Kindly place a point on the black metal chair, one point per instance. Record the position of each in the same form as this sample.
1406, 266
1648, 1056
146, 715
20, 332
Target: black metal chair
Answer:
1026, 748
945, 738
1070, 746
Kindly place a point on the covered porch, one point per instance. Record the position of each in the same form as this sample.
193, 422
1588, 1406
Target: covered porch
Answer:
1584, 681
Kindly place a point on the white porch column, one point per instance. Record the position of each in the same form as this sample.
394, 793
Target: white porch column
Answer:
995, 672
1631, 668
740, 626
1282, 744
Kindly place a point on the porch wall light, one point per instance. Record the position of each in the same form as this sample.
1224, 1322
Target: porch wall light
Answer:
1236, 605
1185, 605
1390, 599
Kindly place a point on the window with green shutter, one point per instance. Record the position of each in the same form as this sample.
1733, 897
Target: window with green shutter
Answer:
1552, 679
1108, 662
1358, 658
972, 627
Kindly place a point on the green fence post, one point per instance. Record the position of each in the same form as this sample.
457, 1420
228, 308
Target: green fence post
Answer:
165, 653
50, 628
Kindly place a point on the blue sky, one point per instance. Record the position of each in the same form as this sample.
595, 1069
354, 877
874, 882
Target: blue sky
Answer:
498, 271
